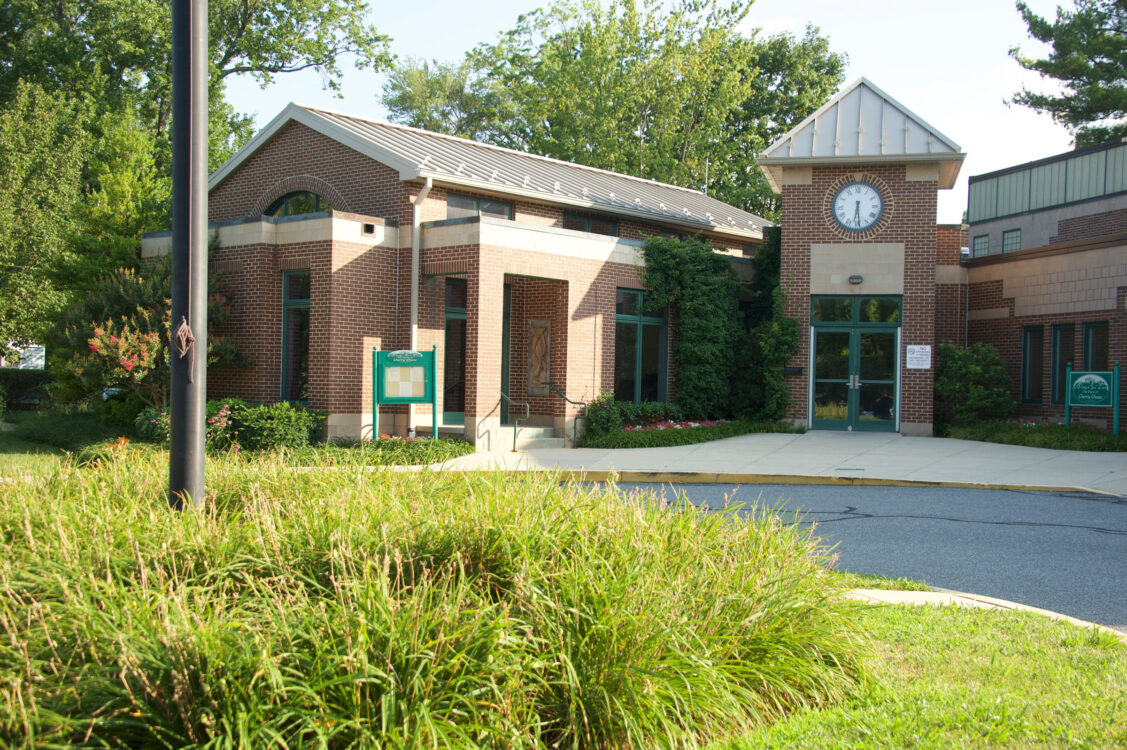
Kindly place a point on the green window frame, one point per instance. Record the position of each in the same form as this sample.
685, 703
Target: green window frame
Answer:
855, 310
980, 245
1064, 348
298, 203
641, 345
1032, 364
1096, 346
296, 293
587, 223
460, 206
1011, 241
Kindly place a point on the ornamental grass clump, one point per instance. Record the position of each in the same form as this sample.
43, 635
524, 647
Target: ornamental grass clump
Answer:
348, 608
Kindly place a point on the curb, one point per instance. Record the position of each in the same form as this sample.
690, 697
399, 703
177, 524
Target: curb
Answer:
698, 477
946, 597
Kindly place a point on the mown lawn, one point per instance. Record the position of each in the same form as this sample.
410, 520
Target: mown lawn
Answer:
958, 678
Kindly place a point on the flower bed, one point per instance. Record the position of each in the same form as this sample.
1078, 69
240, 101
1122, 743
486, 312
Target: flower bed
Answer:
671, 425
667, 433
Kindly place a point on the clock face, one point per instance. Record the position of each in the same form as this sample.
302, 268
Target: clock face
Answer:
858, 206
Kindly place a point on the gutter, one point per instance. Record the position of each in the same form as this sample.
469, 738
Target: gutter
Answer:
416, 245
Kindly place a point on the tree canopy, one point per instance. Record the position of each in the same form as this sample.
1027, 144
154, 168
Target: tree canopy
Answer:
104, 175
674, 95
1089, 59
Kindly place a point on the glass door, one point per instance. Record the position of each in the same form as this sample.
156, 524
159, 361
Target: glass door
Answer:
875, 381
834, 402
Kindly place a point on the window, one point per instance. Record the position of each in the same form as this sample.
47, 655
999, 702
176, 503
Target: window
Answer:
1064, 348
301, 202
1011, 241
639, 349
1032, 363
461, 206
980, 245
593, 224
454, 353
295, 336
1095, 347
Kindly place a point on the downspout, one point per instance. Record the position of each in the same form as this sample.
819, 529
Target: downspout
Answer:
416, 246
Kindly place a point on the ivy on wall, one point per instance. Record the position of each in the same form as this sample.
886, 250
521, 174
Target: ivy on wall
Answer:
727, 363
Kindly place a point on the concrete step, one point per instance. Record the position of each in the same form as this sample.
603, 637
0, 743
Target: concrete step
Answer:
531, 438
540, 444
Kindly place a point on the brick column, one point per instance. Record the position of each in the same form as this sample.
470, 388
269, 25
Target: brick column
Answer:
484, 315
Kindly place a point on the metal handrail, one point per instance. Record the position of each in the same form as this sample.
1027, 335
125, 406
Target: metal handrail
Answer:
574, 423
516, 422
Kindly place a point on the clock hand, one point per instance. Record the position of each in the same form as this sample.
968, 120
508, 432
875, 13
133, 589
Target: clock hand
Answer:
857, 214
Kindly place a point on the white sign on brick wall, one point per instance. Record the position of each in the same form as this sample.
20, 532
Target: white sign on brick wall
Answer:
919, 357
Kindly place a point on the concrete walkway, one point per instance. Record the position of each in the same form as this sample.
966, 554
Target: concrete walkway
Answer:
832, 457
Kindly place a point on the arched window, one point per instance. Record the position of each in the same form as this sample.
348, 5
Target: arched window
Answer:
299, 202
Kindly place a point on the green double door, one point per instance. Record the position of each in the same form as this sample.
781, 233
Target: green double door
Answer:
855, 378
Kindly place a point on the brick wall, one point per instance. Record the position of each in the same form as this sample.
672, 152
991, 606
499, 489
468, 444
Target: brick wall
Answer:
950, 298
909, 218
1090, 226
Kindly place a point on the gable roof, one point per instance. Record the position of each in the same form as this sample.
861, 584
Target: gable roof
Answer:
862, 124
448, 160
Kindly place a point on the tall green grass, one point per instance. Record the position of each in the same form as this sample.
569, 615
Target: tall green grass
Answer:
344, 608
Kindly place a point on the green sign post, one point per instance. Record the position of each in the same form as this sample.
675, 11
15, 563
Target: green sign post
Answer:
404, 377
1096, 388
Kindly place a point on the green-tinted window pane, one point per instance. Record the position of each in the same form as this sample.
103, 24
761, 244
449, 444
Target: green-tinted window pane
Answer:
1032, 364
496, 208
603, 226
651, 362
459, 206
880, 311
625, 357
832, 359
1011, 241
295, 365
1095, 347
980, 245
576, 222
456, 293
1064, 343
626, 302
833, 309
297, 286
454, 366
301, 203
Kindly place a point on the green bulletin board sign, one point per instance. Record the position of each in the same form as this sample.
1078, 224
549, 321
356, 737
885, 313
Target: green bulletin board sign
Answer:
404, 377
1095, 388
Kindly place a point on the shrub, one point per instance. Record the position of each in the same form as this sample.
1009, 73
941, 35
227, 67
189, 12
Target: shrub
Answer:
1077, 437
120, 410
606, 416
973, 384
684, 436
387, 451
153, 425
24, 383
3, 401
310, 609
269, 426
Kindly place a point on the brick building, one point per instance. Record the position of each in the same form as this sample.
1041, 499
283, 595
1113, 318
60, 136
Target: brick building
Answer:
336, 235
1048, 273
1041, 274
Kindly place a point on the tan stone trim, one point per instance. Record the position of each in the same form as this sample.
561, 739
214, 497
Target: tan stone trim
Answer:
915, 172
950, 275
881, 266
994, 313
798, 175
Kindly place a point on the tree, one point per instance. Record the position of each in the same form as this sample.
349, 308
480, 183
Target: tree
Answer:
672, 95
1089, 59
42, 146
118, 336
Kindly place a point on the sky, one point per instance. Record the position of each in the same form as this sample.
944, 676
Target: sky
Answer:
948, 62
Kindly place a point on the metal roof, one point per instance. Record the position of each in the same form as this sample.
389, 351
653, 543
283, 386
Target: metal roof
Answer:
456, 161
862, 124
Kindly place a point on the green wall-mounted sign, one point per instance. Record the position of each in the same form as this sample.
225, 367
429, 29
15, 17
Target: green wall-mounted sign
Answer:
1096, 388
404, 377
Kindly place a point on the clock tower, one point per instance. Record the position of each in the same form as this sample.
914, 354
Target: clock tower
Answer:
859, 181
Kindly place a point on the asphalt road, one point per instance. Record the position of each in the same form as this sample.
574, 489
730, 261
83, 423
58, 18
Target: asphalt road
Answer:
1060, 551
